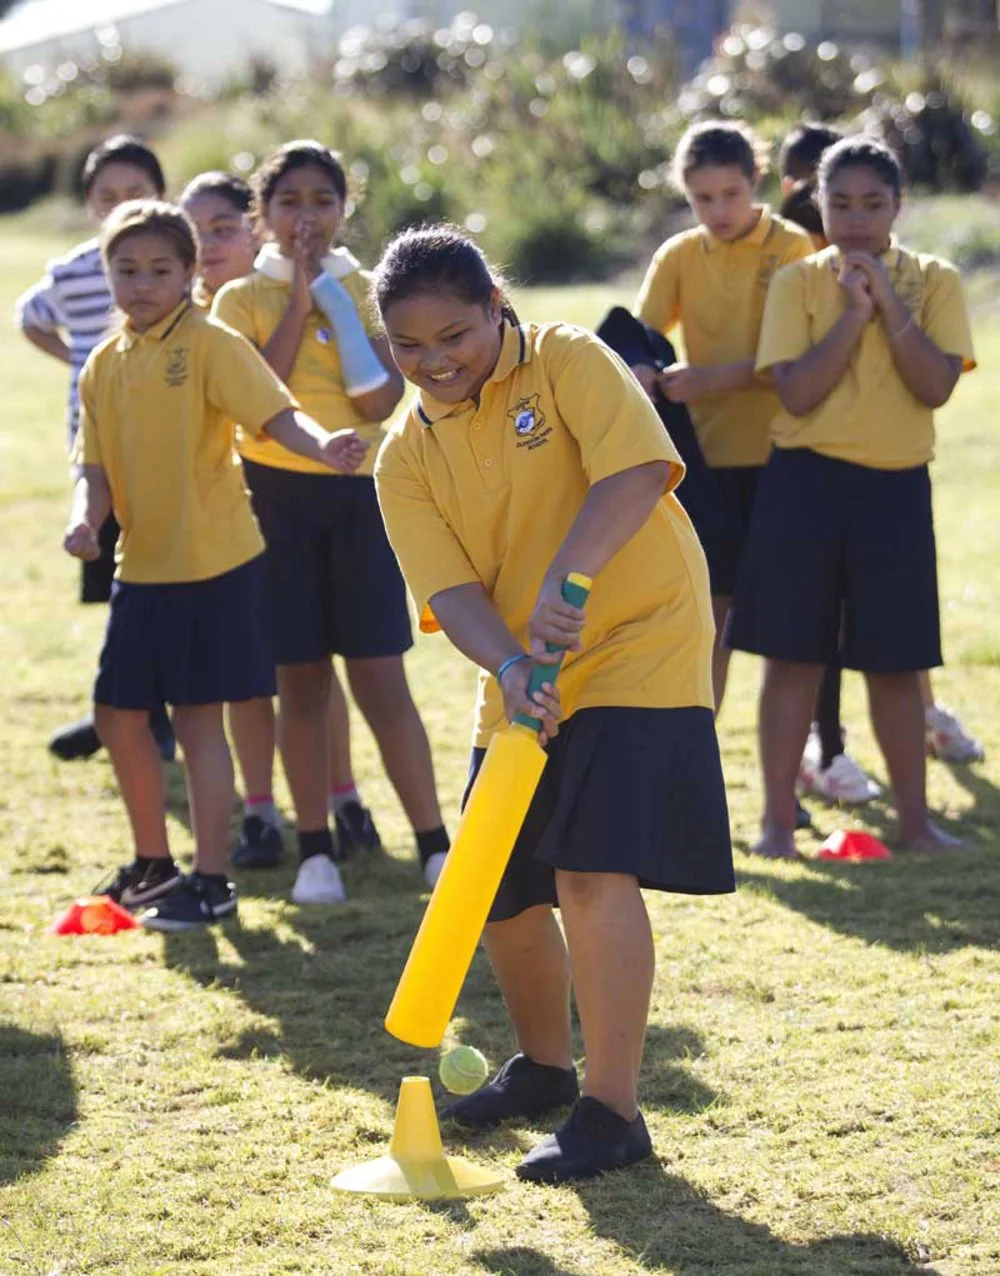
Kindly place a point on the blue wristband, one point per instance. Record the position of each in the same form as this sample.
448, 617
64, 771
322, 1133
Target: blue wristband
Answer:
509, 662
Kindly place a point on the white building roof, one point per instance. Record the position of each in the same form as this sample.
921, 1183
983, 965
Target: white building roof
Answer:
50, 20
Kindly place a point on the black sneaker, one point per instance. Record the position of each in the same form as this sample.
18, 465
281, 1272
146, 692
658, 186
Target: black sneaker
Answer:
592, 1141
803, 820
355, 831
260, 845
137, 884
75, 742
522, 1088
195, 901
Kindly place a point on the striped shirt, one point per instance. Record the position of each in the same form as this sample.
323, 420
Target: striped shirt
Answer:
72, 298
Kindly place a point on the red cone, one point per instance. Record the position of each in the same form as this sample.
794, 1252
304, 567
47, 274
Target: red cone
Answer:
93, 915
853, 846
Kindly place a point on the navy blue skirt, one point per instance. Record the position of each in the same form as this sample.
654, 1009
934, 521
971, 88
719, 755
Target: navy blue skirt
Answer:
197, 642
633, 791
840, 562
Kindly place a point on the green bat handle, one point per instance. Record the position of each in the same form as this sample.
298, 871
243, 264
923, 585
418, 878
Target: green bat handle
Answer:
575, 591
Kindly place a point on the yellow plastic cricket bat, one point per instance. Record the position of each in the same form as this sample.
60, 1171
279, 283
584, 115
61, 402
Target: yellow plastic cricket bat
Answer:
456, 914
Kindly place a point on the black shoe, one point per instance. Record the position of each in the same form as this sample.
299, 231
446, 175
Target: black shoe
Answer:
140, 883
355, 831
594, 1140
260, 845
195, 901
522, 1088
75, 742
803, 820
163, 733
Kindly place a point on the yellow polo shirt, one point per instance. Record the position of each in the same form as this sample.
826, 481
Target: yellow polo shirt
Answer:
716, 292
254, 306
488, 494
157, 412
869, 417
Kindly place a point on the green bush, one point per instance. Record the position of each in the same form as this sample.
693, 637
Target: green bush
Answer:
559, 161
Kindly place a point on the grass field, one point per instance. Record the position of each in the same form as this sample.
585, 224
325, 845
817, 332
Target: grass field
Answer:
823, 1066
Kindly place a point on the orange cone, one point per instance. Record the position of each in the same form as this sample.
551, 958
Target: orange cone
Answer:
93, 915
853, 846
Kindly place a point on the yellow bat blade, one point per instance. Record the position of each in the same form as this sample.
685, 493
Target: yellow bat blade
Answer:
446, 941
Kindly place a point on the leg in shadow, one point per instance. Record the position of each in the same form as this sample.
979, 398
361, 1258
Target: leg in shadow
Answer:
661, 1222
37, 1100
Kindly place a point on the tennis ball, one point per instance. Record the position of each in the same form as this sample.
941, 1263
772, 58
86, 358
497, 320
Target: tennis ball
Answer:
463, 1070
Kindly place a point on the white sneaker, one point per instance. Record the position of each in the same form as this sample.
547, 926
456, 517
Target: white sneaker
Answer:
842, 781
433, 868
947, 739
318, 882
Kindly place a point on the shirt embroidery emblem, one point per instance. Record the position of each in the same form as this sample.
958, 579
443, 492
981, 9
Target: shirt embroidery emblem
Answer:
177, 366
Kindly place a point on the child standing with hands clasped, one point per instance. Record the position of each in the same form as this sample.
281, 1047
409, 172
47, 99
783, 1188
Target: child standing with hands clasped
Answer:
863, 341
712, 280
532, 453
334, 587
187, 623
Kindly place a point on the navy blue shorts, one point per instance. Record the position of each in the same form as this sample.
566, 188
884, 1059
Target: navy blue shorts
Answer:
841, 562
724, 548
334, 586
635, 791
97, 577
201, 642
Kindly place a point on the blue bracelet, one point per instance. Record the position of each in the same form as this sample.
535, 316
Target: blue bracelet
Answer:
511, 660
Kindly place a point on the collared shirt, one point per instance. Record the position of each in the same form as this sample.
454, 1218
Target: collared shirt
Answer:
870, 417
716, 291
487, 493
157, 409
73, 298
254, 306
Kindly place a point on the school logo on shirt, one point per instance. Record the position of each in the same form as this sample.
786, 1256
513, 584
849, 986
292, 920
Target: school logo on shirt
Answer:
768, 268
527, 416
177, 366
529, 423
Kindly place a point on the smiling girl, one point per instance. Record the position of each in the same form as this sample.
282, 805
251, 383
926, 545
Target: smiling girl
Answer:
156, 445
862, 341
333, 584
712, 280
531, 453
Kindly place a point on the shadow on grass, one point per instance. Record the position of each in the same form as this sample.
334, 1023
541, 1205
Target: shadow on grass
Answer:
37, 1100
915, 903
521, 1260
661, 1222
324, 975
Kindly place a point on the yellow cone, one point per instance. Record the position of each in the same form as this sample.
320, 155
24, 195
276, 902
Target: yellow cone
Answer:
416, 1167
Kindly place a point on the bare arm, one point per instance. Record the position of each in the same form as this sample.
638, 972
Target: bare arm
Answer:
342, 450
477, 629
48, 342
91, 507
682, 382
927, 372
282, 349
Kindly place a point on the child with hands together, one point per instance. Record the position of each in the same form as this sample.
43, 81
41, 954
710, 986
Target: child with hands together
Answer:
862, 342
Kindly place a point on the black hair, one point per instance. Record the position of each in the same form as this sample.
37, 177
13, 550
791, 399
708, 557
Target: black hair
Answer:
861, 152
123, 148
799, 206
718, 144
227, 186
803, 148
437, 259
303, 153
